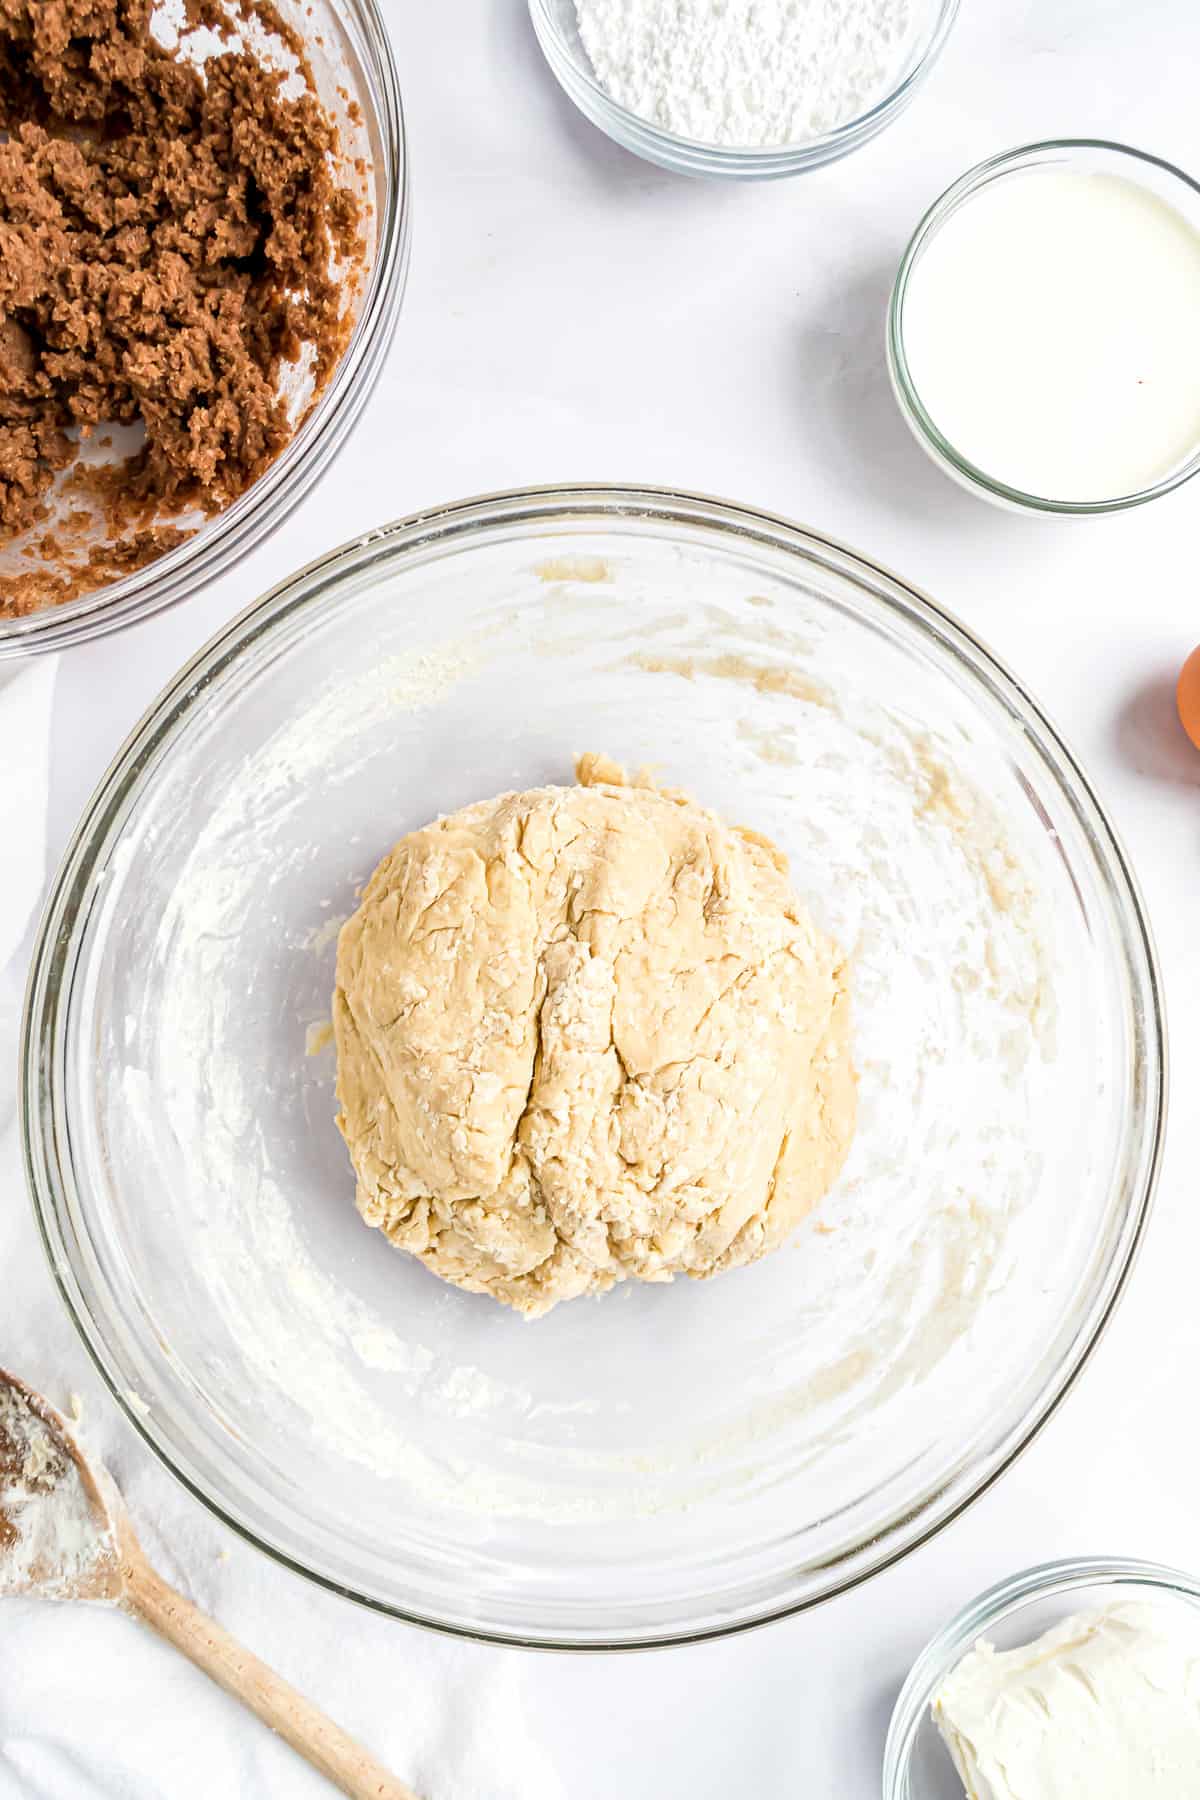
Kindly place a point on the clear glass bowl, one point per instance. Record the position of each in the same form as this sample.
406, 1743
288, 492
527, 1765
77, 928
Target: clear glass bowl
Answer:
557, 27
916, 1763
664, 1463
1085, 156
355, 75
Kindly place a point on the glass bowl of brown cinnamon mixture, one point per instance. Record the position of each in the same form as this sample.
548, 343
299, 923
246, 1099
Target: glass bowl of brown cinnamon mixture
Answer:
203, 246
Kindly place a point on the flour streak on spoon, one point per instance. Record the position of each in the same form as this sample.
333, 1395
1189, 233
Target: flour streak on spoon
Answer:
65, 1535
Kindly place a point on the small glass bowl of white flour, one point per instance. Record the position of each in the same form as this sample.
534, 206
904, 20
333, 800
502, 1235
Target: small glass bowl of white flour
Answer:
1112, 1601
747, 89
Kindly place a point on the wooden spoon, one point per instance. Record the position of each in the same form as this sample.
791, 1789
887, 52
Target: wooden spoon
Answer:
65, 1535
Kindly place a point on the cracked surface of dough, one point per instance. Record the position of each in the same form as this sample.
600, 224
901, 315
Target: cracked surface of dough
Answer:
585, 1034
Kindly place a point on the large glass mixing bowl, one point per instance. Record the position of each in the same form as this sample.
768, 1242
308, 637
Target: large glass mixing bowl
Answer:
662, 1463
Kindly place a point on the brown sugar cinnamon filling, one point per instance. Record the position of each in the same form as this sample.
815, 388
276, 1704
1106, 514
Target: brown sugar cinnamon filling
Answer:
173, 233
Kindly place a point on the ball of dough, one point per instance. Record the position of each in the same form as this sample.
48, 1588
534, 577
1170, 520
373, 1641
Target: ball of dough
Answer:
587, 1033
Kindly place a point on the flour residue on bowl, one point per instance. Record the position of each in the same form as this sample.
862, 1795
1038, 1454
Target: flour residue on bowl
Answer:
560, 569
731, 665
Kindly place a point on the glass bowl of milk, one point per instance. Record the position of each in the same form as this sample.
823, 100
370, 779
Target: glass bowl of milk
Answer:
1044, 329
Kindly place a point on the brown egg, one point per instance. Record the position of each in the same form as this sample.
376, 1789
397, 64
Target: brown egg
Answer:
1187, 697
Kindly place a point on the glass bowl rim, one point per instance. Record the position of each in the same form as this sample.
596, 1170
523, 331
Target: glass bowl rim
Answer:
695, 156
920, 422
1044, 1581
255, 514
56, 951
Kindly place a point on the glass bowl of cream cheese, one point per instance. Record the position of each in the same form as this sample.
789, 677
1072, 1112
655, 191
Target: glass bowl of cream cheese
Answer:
1041, 337
1079, 1676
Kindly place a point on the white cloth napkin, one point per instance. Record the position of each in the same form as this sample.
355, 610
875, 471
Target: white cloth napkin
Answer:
92, 1706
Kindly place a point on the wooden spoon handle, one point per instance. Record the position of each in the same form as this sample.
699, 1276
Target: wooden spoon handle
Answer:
325, 1745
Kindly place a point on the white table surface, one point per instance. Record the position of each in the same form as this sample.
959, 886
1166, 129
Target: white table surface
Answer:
573, 313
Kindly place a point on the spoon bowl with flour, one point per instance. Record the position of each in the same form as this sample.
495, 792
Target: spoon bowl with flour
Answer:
65, 1535
59, 1520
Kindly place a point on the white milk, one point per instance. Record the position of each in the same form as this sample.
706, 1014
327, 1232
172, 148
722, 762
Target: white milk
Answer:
1052, 332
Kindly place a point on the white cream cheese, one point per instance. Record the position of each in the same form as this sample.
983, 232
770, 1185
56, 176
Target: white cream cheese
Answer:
1106, 1705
